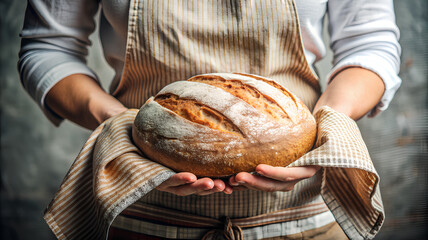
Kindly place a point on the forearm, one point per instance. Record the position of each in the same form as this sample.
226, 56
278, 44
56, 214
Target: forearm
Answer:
354, 92
81, 100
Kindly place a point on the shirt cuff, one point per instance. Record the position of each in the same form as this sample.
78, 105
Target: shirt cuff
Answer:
378, 65
38, 80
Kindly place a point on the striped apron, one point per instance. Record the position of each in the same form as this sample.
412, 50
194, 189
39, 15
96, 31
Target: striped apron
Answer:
174, 40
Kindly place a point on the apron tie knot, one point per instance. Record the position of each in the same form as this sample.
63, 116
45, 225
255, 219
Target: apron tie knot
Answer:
230, 231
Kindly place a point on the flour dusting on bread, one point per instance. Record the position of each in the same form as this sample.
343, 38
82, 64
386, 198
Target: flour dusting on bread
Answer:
223, 123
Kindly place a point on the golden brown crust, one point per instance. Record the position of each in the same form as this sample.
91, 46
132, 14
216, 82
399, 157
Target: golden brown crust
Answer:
202, 135
247, 93
197, 113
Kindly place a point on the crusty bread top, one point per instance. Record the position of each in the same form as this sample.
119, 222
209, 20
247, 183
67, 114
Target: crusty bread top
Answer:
232, 111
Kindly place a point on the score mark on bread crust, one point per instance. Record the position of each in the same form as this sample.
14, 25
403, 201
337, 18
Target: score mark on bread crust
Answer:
197, 113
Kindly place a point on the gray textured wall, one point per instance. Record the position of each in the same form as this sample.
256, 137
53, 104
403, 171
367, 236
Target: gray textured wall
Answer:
35, 155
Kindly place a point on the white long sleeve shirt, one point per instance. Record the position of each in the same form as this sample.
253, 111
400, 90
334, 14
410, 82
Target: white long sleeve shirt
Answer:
55, 38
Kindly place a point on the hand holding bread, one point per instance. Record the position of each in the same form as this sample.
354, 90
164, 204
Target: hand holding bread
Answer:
271, 179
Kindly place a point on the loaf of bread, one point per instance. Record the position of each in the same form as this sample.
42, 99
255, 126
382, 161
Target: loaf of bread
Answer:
220, 124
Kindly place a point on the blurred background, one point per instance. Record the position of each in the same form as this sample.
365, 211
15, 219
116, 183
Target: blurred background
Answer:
35, 155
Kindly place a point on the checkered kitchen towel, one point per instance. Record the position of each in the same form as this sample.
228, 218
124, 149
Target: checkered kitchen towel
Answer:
350, 185
110, 174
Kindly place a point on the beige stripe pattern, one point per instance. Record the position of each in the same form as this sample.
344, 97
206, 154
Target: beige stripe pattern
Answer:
180, 218
110, 174
187, 226
350, 181
175, 40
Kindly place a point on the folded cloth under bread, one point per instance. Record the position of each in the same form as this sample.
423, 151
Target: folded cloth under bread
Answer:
110, 174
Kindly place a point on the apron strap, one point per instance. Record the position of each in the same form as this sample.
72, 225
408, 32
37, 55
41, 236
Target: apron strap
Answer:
182, 219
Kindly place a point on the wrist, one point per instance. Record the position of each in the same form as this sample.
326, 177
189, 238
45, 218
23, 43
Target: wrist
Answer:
353, 91
103, 106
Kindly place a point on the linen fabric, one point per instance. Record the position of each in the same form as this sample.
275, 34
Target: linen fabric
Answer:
326, 232
141, 219
110, 174
170, 41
